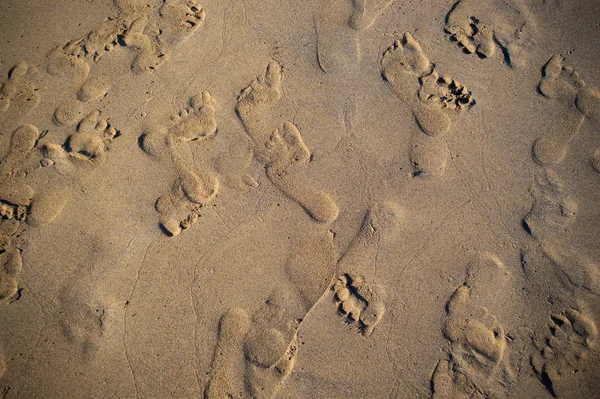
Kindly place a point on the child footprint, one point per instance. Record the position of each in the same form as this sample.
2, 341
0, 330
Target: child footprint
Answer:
437, 101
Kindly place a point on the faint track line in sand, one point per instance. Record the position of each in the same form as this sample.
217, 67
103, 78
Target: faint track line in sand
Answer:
127, 303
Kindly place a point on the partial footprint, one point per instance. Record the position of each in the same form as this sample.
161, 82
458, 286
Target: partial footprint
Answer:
478, 27
437, 101
365, 12
195, 186
358, 298
283, 153
150, 32
12, 265
573, 334
359, 302
82, 321
21, 91
478, 364
262, 349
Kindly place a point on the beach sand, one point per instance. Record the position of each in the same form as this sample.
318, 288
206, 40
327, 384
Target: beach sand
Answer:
299, 199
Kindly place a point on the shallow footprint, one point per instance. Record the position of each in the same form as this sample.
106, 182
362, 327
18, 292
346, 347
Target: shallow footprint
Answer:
287, 153
21, 91
560, 83
478, 359
573, 334
365, 12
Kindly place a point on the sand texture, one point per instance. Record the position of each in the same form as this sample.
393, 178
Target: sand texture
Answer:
299, 199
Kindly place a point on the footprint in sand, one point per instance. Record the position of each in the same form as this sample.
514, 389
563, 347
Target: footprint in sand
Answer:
562, 83
358, 298
365, 12
20, 93
282, 152
563, 353
552, 213
337, 23
479, 27
150, 32
478, 364
256, 350
265, 343
437, 102
194, 186
81, 320
12, 265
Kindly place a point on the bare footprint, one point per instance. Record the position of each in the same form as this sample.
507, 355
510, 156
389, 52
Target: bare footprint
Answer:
263, 348
365, 12
359, 299
283, 152
12, 265
195, 186
21, 91
478, 364
437, 101
479, 27
560, 83
562, 354
149, 32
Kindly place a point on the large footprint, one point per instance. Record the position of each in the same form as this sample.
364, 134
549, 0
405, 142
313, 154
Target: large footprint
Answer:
194, 186
478, 361
282, 152
359, 299
573, 334
437, 101
562, 83
479, 27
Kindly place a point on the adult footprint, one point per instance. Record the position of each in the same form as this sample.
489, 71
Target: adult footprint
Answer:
195, 186
283, 153
478, 356
478, 27
360, 300
437, 101
573, 334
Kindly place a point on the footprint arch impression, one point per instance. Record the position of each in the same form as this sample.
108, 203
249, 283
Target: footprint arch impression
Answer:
281, 149
437, 101
195, 185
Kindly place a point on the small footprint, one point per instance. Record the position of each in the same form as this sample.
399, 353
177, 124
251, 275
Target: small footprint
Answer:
437, 101
479, 27
195, 186
358, 302
12, 265
478, 364
21, 92
573, 334
283, 153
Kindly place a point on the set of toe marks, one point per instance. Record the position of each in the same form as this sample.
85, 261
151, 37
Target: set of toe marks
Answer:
358, 302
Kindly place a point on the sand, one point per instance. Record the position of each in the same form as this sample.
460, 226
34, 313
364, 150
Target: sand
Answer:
299, 199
